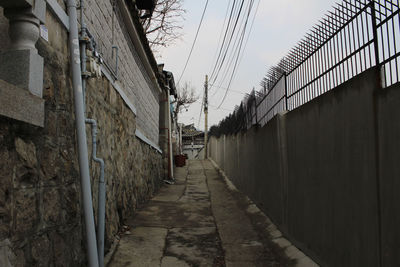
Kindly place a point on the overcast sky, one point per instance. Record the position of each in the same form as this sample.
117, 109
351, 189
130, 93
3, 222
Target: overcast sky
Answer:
279, 25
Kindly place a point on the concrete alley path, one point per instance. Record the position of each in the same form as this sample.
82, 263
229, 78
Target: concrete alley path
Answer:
200, 221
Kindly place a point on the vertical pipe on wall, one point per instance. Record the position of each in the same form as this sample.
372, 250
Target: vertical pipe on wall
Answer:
170, 160
81, 136
101, 195
102, 188
83, 55
180, 139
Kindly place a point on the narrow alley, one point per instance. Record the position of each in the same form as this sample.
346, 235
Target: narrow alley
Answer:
149, 133
202, 220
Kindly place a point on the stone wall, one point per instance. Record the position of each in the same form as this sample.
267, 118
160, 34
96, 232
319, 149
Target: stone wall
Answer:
41, 222
137, 85
40, 191
133, 169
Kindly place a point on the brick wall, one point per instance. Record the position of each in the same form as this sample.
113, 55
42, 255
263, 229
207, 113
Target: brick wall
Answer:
99, 17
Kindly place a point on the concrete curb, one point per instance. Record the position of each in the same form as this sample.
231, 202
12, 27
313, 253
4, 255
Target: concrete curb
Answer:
291, 251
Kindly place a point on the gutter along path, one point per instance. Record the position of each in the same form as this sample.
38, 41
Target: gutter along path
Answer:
202, 221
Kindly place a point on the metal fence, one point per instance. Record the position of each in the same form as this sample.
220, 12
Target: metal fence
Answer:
353, 37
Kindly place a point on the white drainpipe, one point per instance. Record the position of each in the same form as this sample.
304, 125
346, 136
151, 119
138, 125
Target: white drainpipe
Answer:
81, 136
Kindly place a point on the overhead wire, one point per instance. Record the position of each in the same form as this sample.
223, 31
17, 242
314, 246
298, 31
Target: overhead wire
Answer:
221, 45
242, 52
237, 59
227, 30
215, 107
234, 52
251, 28
231, 49
215, 76
230, 90
194, 42
247, 39
222, 29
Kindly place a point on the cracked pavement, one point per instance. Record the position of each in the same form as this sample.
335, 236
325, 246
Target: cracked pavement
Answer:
198, 221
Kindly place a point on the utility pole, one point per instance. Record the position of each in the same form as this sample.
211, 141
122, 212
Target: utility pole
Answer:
206, 117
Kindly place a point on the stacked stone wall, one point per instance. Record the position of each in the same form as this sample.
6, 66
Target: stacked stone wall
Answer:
133, 169
41, 220
106, 25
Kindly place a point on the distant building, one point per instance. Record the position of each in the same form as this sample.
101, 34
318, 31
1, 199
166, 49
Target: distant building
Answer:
192, 142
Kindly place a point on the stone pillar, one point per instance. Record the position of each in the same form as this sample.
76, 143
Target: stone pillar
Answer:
21, 65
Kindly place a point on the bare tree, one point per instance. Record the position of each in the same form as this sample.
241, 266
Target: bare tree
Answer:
186, 97
165, 25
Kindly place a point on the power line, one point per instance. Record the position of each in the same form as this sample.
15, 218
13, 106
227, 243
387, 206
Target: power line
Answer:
233, 74
237, 45
236, 63
238, 55
214, 78
251, 28
215, 107
194, 42
241, 58
233, 51
231, 90
224, 39
222, 29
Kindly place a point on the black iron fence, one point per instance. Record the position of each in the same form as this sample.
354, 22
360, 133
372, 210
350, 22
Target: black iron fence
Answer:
353, 37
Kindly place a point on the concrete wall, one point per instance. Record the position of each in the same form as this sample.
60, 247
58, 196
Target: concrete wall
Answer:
238, 160
332, 194
389, 172
315, 172
41, 220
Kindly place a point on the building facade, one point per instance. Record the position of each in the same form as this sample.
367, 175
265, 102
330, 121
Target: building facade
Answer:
44, 217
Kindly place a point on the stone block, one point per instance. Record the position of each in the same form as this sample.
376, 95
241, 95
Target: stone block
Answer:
26, 151
50, 164
19, 104
294, 253
41, 251
276, 234
6, 254
51, 206
70, 201
26, 214
19, 259
39, 10
5, 191
23, 68
62, 254
24, 177
282, 242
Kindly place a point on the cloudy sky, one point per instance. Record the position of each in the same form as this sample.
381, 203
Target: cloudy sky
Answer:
278, 26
